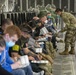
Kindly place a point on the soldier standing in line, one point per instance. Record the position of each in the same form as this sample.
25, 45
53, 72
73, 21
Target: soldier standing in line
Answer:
70, 29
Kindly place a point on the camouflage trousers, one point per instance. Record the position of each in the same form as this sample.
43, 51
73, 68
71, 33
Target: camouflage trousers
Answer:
70, 38
51, 51
47, 68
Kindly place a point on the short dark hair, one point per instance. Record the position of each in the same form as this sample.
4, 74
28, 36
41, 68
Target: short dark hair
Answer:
58, 9
25, 28
2, 41
6, 21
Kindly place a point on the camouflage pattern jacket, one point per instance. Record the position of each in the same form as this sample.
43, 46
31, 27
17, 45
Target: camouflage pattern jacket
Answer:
69, 20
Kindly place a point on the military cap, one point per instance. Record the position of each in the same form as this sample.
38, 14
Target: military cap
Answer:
42, 14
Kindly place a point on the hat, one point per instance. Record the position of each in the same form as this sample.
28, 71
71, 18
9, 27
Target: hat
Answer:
42, 14
15, 48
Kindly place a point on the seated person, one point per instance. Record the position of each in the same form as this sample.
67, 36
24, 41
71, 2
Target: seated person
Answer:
2, 48
11, 35
50, 24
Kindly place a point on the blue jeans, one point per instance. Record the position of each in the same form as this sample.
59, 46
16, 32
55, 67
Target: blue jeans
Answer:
28, 70
18, 72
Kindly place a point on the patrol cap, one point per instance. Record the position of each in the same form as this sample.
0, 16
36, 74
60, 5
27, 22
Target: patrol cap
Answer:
42, 14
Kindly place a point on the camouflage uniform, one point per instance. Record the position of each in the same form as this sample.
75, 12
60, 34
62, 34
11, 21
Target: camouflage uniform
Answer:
70, 27
47, 68
51, 51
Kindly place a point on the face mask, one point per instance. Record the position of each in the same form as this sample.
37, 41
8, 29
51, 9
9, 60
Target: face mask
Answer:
33, 30
58, 16
0, 53
49, 17
46, 21
10, 44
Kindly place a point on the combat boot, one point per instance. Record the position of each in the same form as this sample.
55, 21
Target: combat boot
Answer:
64, 52
72, 51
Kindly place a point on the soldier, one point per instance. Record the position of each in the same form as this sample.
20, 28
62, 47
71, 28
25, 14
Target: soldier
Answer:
70, 29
